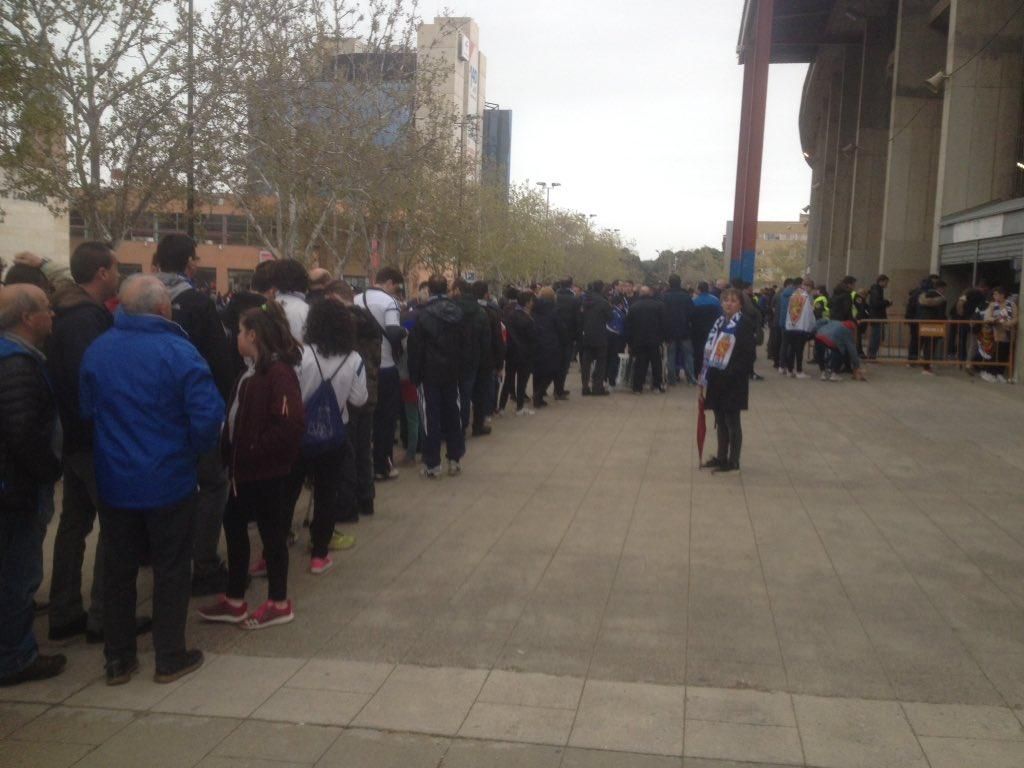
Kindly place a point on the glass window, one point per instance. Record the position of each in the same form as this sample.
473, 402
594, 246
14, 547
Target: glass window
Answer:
168, 222
358, 282
125, 270
238, 230
239, 279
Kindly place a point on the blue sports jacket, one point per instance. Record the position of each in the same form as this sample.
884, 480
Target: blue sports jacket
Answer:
154, 407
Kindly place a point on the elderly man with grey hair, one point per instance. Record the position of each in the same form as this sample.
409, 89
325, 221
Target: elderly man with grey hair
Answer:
29, 466
155, 409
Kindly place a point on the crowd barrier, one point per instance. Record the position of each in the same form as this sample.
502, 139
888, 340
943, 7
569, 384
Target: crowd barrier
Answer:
968, 344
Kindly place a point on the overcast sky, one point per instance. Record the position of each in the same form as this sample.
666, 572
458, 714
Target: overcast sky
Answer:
633, 105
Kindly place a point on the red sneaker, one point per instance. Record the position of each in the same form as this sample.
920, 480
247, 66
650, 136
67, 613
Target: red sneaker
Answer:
267, 615
224, 611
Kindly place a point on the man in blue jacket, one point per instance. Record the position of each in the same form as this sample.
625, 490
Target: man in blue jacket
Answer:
155, 409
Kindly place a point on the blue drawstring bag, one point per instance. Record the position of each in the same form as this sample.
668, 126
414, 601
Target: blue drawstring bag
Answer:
325, 427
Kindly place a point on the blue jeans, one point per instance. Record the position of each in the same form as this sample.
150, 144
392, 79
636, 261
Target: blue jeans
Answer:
441, 419
680, 358
21, 573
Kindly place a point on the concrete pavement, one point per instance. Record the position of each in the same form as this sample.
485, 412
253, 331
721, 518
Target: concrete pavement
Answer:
583, 596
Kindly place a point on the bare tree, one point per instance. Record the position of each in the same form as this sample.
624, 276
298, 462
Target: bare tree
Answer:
91, 106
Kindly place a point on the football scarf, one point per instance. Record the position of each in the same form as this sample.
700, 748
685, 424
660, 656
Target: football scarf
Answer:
720, 344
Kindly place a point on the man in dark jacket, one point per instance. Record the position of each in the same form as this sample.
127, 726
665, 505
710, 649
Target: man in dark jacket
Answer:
678, 309
29, 466
152, 420
878, 310
492, 360
841, 305
567, 306
645, 331
595, 314
435, 362
81, 318
551, 343
706, 309
196, 313
476, 331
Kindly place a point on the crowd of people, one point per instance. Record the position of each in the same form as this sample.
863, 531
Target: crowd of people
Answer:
173, 421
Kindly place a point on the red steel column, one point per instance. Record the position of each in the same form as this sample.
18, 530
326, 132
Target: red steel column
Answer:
751, 150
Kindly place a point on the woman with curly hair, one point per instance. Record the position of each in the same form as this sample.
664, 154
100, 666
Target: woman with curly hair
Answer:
329, 358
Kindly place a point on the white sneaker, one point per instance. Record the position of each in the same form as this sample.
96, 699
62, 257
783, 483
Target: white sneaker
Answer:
1001, 379
835, 377
526, 412
454, 468
431, 473
824, 376
986, 376
801, 375
783, 371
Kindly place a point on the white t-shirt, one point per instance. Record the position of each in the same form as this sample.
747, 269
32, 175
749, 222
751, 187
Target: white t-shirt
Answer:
349, 383
385, 310
295, 309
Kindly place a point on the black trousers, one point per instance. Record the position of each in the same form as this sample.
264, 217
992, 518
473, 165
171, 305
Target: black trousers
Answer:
646, 355
385, 419
334, 493
542, 379
596, 357
730, 436
563, 371
360, 437
616, 345
266, 502
165, 534
483, 398
517, 376
795, 343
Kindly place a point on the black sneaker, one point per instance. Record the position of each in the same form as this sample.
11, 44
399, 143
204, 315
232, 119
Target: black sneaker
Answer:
71, 629
561, 396
192, 660
366, 508
120, 672
213, 583
600, 392
586, 392
41, 668
480, 431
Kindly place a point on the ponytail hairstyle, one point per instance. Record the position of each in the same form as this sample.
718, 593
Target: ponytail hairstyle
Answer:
273, 336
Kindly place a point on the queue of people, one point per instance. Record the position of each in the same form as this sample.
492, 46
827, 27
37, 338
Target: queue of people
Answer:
173, 421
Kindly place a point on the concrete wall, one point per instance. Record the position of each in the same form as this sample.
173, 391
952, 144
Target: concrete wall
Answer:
915, 130
982, 110
845, 157
29, 226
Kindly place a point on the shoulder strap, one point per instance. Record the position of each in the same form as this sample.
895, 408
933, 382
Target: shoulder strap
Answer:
336, 370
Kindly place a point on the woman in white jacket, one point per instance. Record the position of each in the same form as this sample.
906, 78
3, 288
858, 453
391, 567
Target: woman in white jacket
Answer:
329, 356
799, 328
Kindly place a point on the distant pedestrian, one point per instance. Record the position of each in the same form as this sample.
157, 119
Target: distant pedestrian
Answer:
678, 313
645, 331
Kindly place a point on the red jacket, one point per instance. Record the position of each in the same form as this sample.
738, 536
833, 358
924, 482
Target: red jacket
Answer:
269, 426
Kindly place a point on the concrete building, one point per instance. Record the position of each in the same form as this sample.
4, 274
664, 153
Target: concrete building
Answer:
453, 44
27, 225
912, 121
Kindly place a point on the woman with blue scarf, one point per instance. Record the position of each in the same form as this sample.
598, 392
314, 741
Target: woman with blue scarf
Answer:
725, 378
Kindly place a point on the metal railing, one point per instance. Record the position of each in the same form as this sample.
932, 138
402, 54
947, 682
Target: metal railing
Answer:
968, 344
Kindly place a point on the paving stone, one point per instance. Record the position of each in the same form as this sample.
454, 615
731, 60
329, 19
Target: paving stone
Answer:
511, 722
34, 754
963, 721
338, 675
423, 700
592, 758
958, 753
750, 707
75, 726
278, 741
532, 690
230, 686
741, 741
298, 705
161, 741
217, 761
853, 733
364, 748
654, 724
473, 754
84, 665
13, 716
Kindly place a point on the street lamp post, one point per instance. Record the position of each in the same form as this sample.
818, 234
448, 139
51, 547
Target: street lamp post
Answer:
548, 186
190, 204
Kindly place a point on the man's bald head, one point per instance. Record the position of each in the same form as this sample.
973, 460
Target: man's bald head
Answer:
319, 278
145, 295
25, 310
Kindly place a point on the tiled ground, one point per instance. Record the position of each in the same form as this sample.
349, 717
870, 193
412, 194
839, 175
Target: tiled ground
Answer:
582, 597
